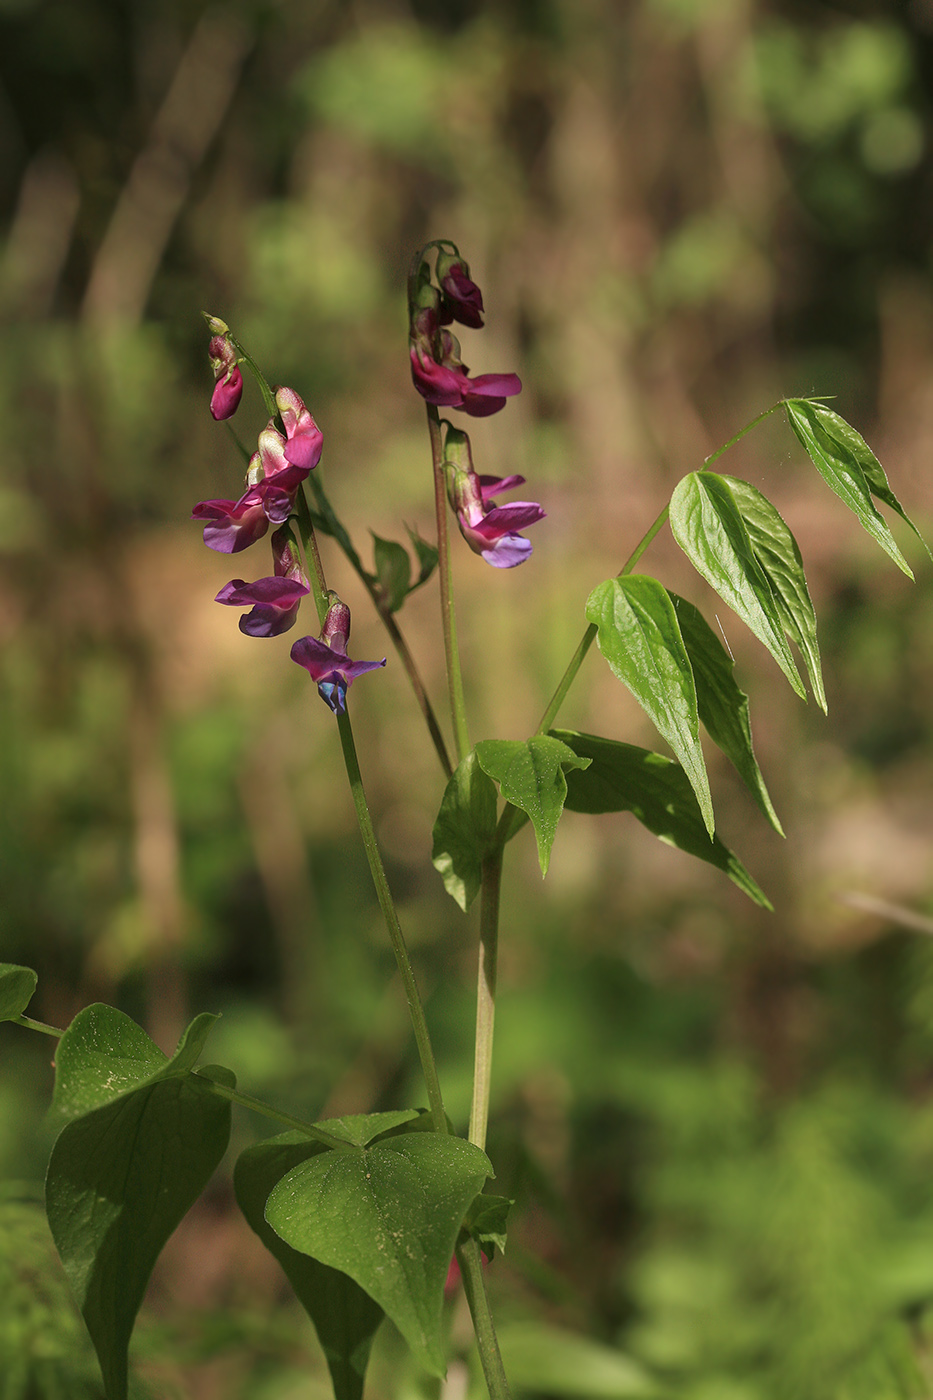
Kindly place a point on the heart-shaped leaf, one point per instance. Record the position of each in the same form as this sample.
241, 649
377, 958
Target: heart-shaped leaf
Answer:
850, 468
638, 634
624, 778
17, 985
722, 706
345, 1318
530, 774
464, 830
707, 524
389, 1216
120, 1179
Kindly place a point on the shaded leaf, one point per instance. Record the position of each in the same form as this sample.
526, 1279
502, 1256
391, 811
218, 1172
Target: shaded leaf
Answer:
777, 552
120, 1179
530, 774
541, 1358
707, 524
487, 1220
722, 706
655, 789
389, 1216
393, 571
850, 468
638, 634
345, 1318
464, 830
359, 1129
427, 557
17, 985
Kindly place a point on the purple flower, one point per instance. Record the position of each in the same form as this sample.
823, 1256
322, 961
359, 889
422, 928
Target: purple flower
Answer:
326, 659
463, 300
233, 525
442, 379
491, 531
228, 387
274, 602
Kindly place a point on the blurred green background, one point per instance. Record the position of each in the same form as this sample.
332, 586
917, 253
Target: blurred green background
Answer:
717, 1124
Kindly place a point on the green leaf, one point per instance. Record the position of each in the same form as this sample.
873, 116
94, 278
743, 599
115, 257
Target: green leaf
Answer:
120, 1179
359, 1129
530, 774
104, 1054
464, 830
387, 1215
655, 789
707, 524
850, 468
722, 706
393, 571
427, 557
486, 1221
541, 1358
777, 552
345, 1318
17, 985
638, 634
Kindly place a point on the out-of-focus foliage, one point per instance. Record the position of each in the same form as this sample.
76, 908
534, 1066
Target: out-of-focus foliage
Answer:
715, 1122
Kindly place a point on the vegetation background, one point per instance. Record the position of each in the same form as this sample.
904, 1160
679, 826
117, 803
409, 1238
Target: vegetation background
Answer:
717, 1124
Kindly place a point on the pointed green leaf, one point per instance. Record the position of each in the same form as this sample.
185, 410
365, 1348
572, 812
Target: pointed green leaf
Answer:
707, 524
393, 571
17, 985
464, 830
359, 1129
777, 552
624, 778
389, 1216
530, 774
104, 1054
486, 1221
638, 634
850, 468
120, 1179
722, 706
345, 1318
427, 557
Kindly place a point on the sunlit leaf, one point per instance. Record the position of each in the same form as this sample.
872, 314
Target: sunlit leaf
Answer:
638, 634
345, 1317
655, 789
389, 1216
120, 1179
777, 552
707, 524
722, 706
464, 830
850, 468
530, 774
17, 985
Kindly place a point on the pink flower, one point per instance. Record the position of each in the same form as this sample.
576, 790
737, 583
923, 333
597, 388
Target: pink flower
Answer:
463, 300
274, 602
442, 379
228, 387
491, 531
326, 659
304, 439
233, 525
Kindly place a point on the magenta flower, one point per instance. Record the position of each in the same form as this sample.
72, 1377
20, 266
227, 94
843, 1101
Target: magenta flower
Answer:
491, 531
326, 659
276, 470
442, 379
274, 602
228, 387
463, 300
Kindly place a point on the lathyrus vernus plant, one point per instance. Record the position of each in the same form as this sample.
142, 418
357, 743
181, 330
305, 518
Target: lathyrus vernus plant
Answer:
365, 1213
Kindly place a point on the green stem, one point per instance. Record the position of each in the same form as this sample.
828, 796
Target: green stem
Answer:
394, 928
258, 1106
445, 574
589, 636
32, 1025
486, 994
471, 1267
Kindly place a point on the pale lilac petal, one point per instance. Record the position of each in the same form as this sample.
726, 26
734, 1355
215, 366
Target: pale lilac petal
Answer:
507, 551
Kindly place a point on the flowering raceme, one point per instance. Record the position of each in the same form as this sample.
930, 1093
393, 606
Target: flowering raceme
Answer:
326, 660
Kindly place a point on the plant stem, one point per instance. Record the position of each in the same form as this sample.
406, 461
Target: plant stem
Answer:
32, 1025
445, 573
387, 905
258, 1106
471, 1267
589, 636
486, 994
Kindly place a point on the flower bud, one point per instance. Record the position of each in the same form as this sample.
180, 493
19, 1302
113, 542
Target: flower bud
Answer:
228, 388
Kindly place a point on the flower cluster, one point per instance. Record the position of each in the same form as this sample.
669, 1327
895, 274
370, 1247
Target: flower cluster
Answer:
284, 457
